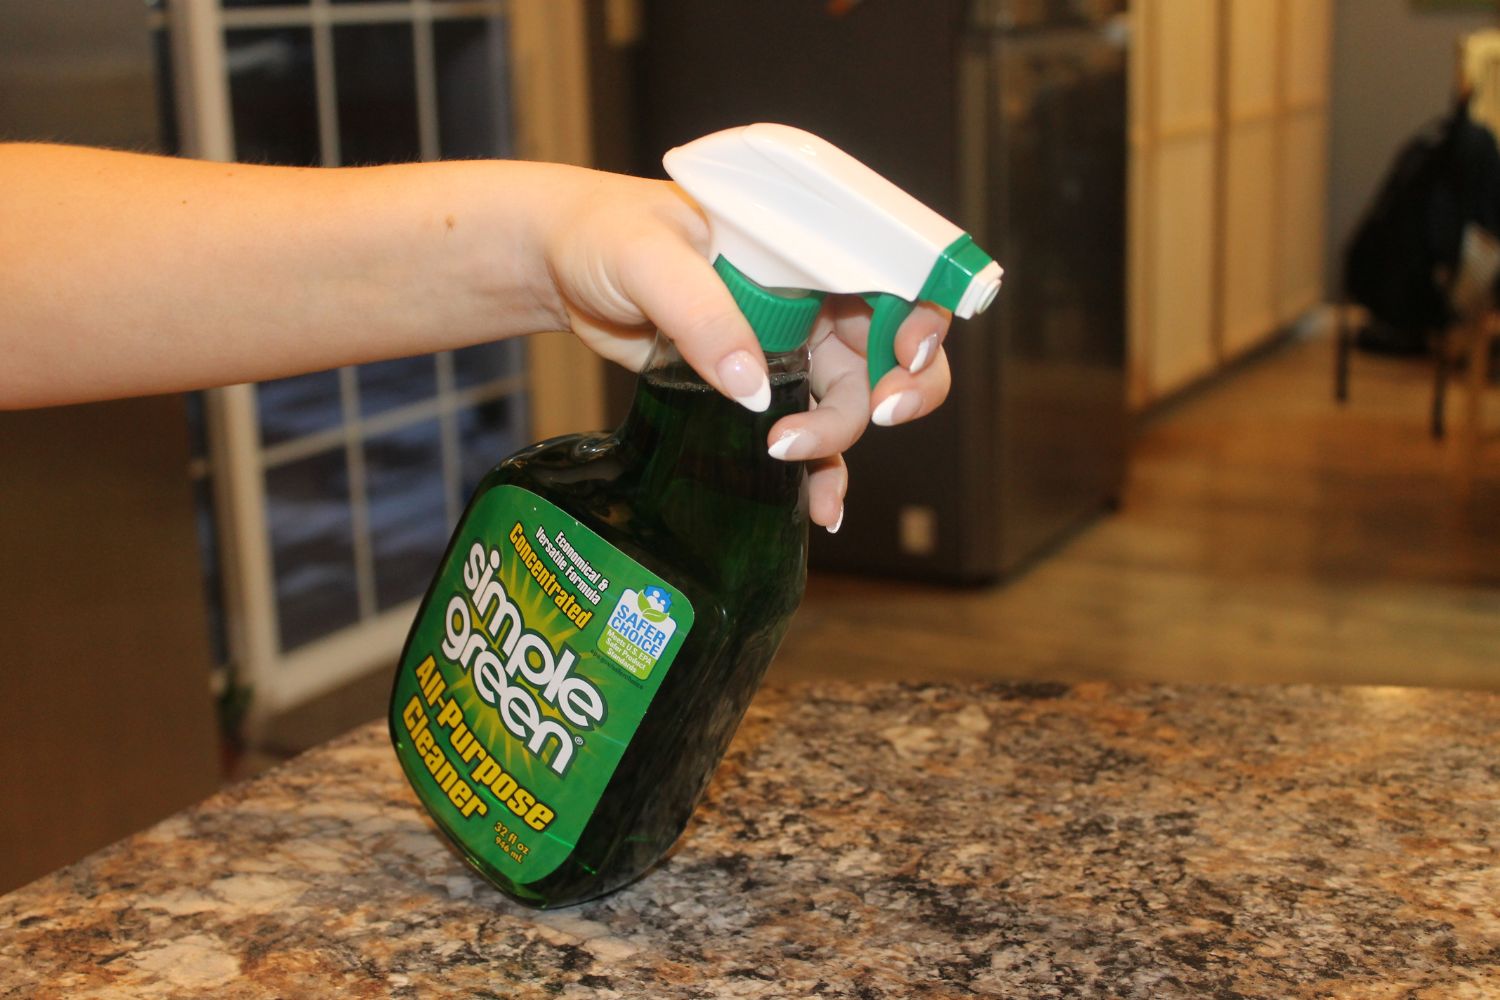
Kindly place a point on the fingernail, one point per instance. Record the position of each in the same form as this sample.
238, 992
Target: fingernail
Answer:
833, 529
803, 443
926, 351
745, 380
898, 408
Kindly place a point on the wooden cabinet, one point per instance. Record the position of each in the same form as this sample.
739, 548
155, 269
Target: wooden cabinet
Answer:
1228, 158
1248, 159
1303, 122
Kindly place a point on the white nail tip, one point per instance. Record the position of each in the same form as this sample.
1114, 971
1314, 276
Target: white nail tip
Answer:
833, 529
783, 444
885, 413
758, 400
925, 351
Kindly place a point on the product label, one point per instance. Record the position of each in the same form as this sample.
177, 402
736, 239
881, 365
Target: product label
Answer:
529, 668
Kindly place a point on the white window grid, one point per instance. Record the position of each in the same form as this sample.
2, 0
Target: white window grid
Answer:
237, 463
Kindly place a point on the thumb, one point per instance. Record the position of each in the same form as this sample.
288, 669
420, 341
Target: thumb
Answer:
678, 291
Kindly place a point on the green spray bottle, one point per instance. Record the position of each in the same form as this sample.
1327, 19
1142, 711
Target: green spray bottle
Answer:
609, 602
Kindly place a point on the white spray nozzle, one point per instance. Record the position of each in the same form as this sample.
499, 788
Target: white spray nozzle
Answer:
789, 210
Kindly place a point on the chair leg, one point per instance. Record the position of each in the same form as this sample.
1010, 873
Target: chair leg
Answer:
1478, 383
1439, 390
1342, 339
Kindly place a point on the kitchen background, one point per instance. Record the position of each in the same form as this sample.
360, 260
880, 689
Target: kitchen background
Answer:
1142, 475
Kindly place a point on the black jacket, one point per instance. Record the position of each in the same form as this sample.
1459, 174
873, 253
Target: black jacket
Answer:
1443, 179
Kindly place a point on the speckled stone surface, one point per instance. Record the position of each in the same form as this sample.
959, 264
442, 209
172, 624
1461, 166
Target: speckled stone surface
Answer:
869, 842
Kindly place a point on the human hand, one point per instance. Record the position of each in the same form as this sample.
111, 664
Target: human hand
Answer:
628, 256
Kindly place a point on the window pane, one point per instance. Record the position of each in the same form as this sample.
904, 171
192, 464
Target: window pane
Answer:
487, 434
473, 88
272, 96
312, 547
486, 362
385, 385
408, 520
377, 93
297, 406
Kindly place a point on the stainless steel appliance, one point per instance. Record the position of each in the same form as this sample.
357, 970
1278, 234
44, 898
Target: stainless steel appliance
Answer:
1009, 117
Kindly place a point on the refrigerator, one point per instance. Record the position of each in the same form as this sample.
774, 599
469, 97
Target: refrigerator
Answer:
1008, 117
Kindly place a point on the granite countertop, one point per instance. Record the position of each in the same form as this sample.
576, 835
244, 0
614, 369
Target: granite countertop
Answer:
860, 841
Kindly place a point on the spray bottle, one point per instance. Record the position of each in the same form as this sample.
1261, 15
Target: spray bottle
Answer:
610, 602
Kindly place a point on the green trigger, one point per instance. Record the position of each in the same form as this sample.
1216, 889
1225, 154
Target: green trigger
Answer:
890, 312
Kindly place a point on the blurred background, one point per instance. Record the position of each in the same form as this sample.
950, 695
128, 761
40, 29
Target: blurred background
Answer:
1227, 421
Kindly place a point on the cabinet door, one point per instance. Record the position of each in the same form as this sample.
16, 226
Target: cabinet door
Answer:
1176, 202
1248, 196
1303, 153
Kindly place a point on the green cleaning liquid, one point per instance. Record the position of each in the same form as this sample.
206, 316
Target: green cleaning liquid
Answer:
606, 609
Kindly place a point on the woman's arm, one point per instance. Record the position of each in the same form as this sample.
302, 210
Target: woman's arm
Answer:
124, 274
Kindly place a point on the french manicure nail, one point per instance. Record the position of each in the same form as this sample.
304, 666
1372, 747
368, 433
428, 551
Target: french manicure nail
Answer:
800, 441
745, 380
898, 408
926, 351
833, 529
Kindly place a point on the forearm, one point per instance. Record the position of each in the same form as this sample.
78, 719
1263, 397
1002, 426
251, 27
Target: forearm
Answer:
123, 274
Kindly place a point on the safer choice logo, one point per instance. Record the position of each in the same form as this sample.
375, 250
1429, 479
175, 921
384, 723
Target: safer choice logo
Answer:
638, 630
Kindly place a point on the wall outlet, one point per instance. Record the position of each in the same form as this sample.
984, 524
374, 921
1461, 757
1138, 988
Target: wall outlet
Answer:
916, 530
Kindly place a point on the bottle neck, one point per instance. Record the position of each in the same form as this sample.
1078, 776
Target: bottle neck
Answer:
668, 387
701, 466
